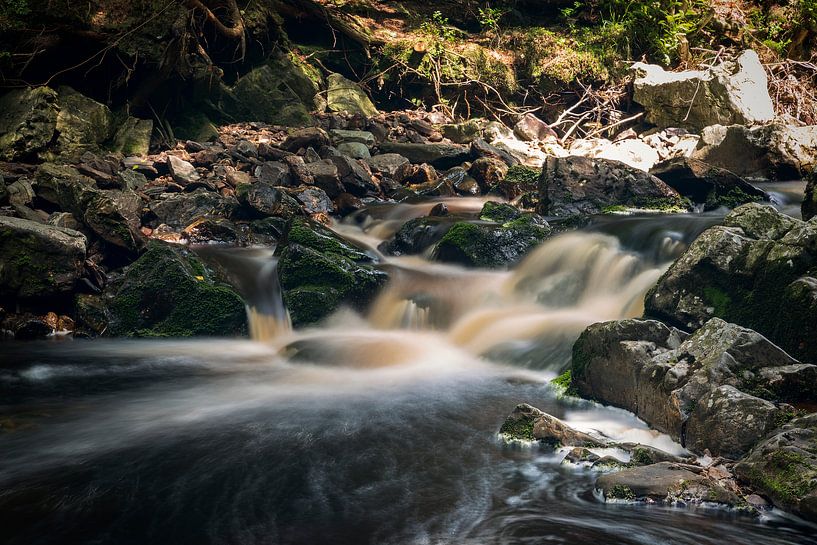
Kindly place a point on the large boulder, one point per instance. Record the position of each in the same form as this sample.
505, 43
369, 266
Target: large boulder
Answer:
83, 124
703, 183
39, 260
168, 292
784, 467
734, 92
714, 390
319, 272
777, 151
28, 118
179, 210
580, 185
344, 95
113, 216
756, 270
440, 156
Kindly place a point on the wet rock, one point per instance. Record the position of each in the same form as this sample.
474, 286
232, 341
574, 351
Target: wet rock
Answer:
579, 185
263, 200
181, 209
531, 128
388, 164
314, 137
319, 272
419, 174
704, 183
462, 183
777, 151
273, 173
434, 187
528, 423
28, 118
39, 260
440, 156
221, 230
417, 235
491, 245
701, 390
314, 200
664, 482
168, 292
580, 455
113, 216
488, 172
440, 210
745, 271
92, 313
325, 175
344, 95
520, 180
499, 212
481, 148
29, 328
784, 467
734, 92
183, 172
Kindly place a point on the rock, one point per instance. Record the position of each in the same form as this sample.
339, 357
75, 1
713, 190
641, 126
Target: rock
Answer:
440, 156
355, 150
578, 185
168, 292
388, 164
480, 148
429, 185
700, 390
196, 126
462, 183
488, 172
633, 152
133, 137
220, 230
183, 172
284, 92
491, 246
355, 179
83, 124
777, 151
29, 328
263, 200
527, 423
113, 216
417, 235
361, 137
463, 133
92, 313
664, 482
809, 206
745, 271
703, 183
784, 467
734, 92
531, 128
314, 137
28, 118
39, 260
314, 200
319, 272
499, 212
580, 455
273, 173
181, 209
344, 95
731, 420
520, 180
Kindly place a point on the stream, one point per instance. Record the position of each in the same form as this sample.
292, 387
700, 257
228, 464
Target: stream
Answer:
377, 428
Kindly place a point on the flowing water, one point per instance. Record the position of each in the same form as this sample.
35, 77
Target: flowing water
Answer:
376, 428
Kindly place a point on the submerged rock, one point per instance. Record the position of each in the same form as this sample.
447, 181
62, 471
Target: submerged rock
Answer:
527, 423
168, 292
580, 185
734, 92
39, 260
756, 270
784, 467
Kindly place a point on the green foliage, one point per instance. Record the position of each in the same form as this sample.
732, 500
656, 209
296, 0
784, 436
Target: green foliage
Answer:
11, 12
489, 17
621, 492
439, 28
552, 59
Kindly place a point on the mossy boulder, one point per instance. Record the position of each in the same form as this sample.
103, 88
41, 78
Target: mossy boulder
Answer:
133, 137
28, 118
527, 423
492, 245
749, 271
344, 95
83, 124
784, 467
319, 272
168, 292
39, 260
417, 235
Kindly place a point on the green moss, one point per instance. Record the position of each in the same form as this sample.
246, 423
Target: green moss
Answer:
621, 492
525, 176
518, 428
563, 383
640, 457
498, 212
732, 199
614, 209
718, 299
787, 477
318, 238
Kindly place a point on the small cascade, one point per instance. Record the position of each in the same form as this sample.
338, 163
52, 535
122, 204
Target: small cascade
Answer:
254, 273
